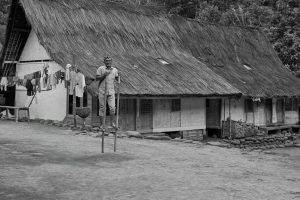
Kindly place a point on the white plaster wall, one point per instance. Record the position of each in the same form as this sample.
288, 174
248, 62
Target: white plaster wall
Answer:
260, 113
237, 109
33, 50
47, 104
193, 113
291, 117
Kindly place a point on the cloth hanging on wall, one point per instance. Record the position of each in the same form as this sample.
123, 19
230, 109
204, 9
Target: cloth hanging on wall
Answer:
73, 82
80, 84
3, 83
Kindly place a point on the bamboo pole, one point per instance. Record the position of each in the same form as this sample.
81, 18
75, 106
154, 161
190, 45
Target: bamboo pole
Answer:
117, 119
104, 118
230, 117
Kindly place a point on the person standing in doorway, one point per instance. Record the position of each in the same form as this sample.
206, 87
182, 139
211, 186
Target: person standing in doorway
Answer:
107, 75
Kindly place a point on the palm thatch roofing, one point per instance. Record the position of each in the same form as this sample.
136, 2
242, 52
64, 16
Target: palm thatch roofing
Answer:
201, 60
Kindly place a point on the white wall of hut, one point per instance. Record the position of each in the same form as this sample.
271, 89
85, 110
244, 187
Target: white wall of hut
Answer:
261, 115
49, 104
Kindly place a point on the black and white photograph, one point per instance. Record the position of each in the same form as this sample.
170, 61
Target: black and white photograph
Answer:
149, 99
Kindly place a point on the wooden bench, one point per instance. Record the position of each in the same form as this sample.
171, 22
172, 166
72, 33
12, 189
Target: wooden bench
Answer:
17, 109
266, 129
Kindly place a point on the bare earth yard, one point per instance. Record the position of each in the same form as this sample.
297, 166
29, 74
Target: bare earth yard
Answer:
45, 162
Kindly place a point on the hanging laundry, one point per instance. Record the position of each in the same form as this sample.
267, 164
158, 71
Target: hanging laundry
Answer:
53, 80
38, 84
15, 80
20, 81
73, 81
3, 83
67, 78
37, 74
62, 76
29, 76
29, 88
48, 85
24, 81
10, 81
80, 80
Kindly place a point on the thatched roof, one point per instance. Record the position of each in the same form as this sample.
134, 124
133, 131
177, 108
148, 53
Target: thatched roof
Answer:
227, 49
136, 37
133, 37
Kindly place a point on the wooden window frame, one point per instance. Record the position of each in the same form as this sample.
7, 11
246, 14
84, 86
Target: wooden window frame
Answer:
291, 104
146, 106
249, 106
175, 105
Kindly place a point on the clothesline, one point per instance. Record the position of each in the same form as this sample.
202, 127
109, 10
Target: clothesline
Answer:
44, 80
34, 81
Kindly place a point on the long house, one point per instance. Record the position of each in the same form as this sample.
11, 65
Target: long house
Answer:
176, 74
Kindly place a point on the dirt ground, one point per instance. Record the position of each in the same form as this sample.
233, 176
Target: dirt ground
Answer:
45, 162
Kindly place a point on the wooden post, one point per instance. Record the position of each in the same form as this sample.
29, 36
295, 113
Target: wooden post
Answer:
81, 102
104, 118
117, 118
253, 104
137, 117
283, 109
74, 94
230, 117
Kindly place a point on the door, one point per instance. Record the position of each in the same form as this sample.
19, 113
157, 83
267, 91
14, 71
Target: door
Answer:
280, 110
127, 114
268, 111
146, 114
213, 113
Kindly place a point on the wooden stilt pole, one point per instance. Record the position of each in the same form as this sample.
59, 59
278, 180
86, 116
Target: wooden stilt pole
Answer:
104, 117
230, 117
117, 119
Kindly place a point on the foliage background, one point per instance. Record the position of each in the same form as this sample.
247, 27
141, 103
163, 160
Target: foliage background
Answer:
279, 19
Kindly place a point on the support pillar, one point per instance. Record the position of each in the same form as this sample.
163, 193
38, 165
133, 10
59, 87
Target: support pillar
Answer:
274, 113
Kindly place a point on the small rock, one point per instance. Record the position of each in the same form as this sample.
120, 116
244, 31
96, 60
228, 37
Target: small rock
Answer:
218, 144
289, 145
135, 134
235, 142
188, 141
154, 137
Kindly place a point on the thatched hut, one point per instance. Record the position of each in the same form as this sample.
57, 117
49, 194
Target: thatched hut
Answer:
177, 74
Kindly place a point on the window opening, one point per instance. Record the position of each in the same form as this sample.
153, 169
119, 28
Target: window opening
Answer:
176, 105
248, 105
146, 106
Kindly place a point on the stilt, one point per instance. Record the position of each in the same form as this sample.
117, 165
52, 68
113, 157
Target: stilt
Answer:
117, 119
104, 118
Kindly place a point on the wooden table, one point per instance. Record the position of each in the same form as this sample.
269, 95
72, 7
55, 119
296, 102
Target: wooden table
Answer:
17, 109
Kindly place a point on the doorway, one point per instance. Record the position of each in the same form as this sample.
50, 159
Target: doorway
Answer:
213, 113
268, 111
146, 114
280, 111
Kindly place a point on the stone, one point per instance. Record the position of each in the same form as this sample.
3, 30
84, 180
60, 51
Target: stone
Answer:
188, 141
289, 145
135, 134
218, 144
48, 121
178, 140
157, 137
235, 142
296, 145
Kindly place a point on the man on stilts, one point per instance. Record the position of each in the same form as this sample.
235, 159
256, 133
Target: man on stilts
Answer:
106, 75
